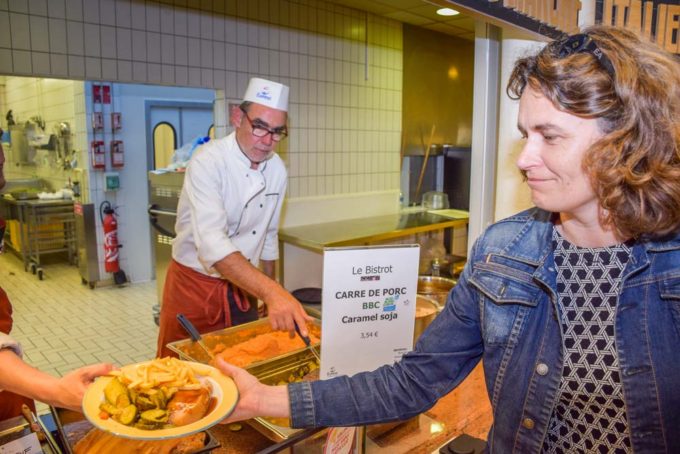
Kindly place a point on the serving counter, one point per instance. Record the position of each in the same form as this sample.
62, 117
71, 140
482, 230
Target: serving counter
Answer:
464, 410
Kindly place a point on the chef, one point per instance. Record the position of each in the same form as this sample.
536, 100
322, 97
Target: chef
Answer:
227, 226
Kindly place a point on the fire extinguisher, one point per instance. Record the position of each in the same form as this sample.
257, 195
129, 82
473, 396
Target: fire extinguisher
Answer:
111, 245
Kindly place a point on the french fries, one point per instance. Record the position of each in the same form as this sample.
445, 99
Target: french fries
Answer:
168, 372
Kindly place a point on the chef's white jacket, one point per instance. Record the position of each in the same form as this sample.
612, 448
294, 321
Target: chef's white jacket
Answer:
225, 206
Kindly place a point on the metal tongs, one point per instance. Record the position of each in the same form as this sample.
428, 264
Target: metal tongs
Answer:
307, 342
36, 425
193, 333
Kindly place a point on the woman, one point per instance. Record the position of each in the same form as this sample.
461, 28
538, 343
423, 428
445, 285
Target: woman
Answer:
19, 382
574, 306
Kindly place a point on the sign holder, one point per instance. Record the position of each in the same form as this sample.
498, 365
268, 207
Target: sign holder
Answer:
369, 302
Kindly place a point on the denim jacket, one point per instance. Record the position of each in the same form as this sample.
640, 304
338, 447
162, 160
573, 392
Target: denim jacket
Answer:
504, 311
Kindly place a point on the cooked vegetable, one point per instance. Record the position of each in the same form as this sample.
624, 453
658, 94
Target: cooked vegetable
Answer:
112, 410
128, 415
144, 403
123, 400
154, 416
114, 391
158, 399
145, 425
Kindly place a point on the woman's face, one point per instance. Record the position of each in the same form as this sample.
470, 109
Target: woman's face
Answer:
555, 143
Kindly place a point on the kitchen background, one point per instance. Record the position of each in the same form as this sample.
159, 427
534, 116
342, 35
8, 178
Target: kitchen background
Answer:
357, 81
372, 83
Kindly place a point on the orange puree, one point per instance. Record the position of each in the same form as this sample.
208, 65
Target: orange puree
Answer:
261, 347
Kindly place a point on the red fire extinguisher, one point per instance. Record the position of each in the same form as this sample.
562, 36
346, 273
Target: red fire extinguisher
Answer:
111, 246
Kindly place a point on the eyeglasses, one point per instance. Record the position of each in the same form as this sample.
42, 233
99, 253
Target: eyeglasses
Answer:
262, 131
582, 43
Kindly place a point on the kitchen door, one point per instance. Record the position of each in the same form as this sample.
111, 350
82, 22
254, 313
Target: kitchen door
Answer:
172, 125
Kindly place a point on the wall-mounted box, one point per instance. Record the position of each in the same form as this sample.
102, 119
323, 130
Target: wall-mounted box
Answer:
112, 181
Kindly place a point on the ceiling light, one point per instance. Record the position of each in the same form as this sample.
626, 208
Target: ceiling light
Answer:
447, 12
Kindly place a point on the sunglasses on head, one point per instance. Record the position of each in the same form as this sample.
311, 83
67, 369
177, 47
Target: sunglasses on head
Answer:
582, 43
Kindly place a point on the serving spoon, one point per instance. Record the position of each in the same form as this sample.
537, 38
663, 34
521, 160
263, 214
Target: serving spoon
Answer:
194, 334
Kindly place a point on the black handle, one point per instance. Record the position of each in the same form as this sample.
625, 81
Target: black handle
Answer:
153, 219
161, 230
189, 327
305, 339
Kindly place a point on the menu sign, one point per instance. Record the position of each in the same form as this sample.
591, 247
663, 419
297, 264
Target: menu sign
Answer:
27, 444
369, 303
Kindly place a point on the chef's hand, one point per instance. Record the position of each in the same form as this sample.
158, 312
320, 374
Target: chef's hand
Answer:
255, 399
71, 387
285, 311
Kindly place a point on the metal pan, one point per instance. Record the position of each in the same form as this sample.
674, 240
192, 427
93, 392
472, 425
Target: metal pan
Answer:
278, 371
189, 350
72, 427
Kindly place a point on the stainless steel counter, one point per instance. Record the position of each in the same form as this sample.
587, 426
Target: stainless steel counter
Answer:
364, 231
301, 248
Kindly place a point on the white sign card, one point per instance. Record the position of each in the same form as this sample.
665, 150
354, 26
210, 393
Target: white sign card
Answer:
369, 304
27, 444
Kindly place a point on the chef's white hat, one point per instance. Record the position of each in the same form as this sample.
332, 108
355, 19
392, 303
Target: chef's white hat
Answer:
267, 93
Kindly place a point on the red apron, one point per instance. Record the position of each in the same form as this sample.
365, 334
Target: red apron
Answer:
209, 303
10, 403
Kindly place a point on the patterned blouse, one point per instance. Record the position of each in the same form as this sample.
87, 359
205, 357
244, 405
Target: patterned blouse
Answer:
589, 415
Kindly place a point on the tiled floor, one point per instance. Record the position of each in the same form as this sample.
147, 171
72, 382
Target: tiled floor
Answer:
63, 324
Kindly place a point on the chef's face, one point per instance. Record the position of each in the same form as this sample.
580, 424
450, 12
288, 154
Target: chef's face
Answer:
258, 149
551, 160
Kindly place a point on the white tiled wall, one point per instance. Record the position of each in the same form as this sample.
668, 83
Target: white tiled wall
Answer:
344, 68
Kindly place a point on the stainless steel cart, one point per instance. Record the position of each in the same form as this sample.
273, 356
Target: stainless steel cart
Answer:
45, 227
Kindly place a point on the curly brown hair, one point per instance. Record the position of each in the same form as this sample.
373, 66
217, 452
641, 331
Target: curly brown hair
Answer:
635, 167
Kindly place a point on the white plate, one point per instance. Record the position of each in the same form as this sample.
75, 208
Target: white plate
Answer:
223, 390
